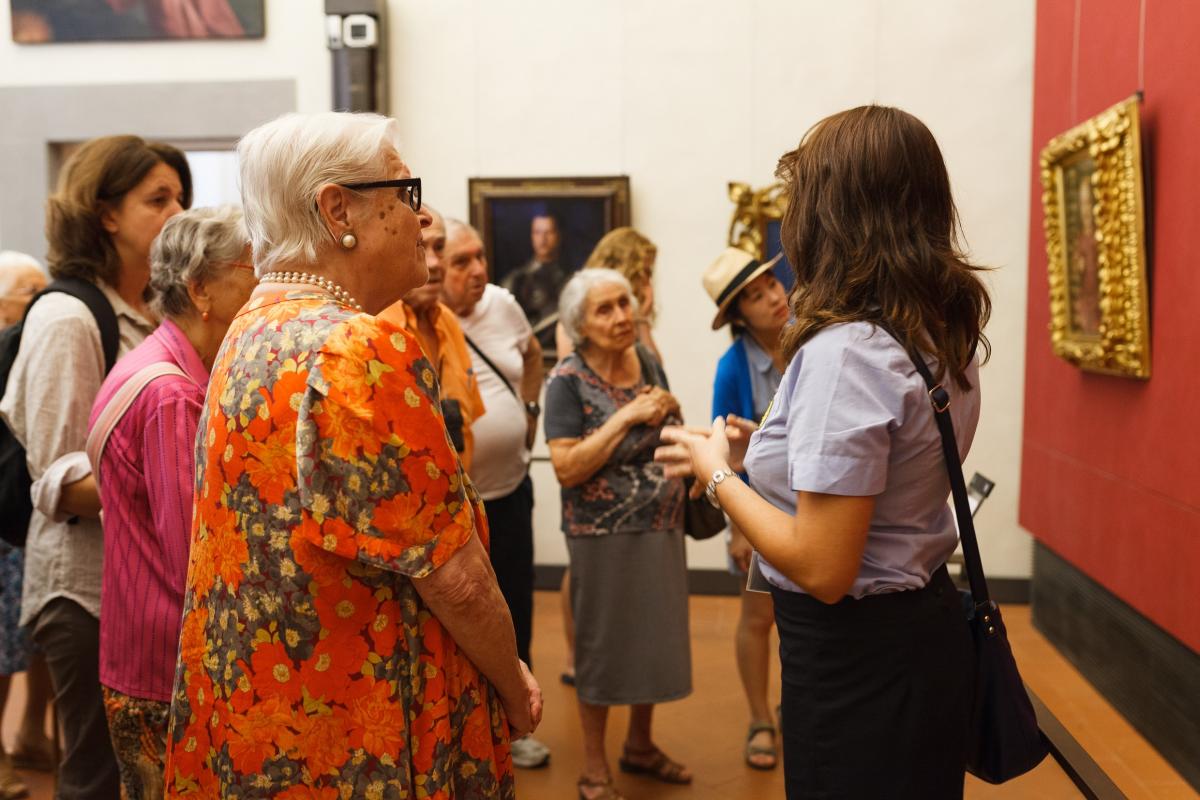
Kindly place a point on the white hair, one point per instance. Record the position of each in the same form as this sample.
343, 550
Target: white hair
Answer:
456, 226
11, 262
284, 164
572, 303
190, 247
11, 258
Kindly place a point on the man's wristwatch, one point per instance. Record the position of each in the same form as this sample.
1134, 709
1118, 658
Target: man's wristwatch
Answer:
710, 491
533, 409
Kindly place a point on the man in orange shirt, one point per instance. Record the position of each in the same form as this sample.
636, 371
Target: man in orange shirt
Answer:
438, 331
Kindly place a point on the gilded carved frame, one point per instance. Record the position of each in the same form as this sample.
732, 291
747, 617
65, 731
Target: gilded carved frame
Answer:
753, 211
1096, 244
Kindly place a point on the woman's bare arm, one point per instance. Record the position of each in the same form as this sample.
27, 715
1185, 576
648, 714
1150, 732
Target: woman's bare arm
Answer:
465, 598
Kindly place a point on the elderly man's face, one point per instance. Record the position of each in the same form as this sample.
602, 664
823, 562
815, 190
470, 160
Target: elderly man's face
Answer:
433, 238
543, 234
18, 285
466, 271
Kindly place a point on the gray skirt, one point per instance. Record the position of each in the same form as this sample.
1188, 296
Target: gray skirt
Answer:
630, 601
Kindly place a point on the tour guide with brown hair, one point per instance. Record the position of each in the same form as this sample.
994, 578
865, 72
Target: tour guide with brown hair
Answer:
113, 197
848, 507
342, 628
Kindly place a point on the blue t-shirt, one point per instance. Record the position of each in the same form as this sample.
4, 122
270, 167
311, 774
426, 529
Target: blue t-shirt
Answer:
852, 417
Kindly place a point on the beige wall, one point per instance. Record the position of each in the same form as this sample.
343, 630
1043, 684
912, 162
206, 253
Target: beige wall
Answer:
682, 96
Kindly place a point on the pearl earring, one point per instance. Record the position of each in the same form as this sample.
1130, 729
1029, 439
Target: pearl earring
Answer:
204, 316
349, 240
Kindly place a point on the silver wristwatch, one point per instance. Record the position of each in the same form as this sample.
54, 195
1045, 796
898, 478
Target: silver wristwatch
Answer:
710, 491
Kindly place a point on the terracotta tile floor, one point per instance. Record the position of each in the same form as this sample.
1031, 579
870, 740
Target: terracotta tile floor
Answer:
706, 730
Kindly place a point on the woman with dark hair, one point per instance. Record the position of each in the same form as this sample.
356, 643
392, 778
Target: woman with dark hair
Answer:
753, 303
114, 195
847, 497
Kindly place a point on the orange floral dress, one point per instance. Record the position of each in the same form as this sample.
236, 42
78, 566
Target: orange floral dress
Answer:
309, 666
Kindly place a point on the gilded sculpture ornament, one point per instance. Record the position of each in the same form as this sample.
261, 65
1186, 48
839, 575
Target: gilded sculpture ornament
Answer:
753, 211
1096, 243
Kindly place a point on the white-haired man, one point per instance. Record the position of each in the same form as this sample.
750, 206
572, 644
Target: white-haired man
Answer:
507, 361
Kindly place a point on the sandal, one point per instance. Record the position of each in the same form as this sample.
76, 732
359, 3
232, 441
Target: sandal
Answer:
761, 750
658, 767
609, 793
11, 785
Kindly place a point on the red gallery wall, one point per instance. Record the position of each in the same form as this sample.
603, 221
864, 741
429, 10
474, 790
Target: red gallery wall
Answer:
1111, 466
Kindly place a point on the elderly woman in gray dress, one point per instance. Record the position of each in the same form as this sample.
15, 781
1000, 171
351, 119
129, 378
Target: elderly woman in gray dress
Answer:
605, 406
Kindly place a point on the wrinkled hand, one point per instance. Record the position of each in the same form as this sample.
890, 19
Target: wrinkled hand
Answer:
740, 550
651, 406
525, 711
694, 452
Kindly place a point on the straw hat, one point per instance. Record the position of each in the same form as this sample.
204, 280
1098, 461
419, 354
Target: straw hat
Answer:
728, 275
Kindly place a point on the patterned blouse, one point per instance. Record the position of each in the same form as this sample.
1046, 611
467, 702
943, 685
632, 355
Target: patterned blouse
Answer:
629, 494
309, 666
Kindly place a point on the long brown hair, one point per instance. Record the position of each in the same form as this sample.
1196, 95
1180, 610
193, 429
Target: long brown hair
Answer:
98, 176
872, 233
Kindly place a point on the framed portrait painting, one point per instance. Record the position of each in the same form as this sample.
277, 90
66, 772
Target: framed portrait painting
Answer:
538, 231
50, 21
1095, 228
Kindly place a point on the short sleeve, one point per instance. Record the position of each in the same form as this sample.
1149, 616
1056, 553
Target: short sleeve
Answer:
843, 407
379, 480
564, 409
518, 322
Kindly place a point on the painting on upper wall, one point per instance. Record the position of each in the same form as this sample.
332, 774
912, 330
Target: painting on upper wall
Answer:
50, 21
1095, 228
538, 231
757, 214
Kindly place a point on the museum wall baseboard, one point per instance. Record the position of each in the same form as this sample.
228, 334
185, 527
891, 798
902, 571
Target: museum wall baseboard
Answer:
1149, 676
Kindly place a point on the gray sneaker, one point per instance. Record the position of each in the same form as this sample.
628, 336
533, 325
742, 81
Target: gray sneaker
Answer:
529, 753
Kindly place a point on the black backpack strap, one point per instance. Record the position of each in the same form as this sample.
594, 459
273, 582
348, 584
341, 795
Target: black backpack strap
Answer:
939, 398
493, 368
102, 311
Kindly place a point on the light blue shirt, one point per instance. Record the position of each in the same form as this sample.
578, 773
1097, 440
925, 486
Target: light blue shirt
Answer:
764, 377
852, 417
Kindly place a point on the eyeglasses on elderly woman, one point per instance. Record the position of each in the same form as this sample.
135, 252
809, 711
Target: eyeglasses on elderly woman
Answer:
407, 189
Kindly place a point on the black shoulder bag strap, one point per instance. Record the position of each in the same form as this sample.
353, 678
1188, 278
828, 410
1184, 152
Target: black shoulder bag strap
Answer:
647, 362
940, 399
493, 367
102, 311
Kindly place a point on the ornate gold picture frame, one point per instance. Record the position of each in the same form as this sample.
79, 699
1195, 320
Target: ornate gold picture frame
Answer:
1096, 243
755, 225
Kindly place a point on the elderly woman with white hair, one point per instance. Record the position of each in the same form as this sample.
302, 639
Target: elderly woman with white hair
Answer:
605, 406
141, 446
343, 634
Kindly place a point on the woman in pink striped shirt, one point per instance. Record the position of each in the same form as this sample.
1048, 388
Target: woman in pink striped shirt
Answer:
199, 279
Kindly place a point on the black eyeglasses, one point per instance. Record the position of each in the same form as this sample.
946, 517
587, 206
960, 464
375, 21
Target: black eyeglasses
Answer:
407, 189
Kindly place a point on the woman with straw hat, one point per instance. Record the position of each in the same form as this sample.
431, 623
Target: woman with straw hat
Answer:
753, 302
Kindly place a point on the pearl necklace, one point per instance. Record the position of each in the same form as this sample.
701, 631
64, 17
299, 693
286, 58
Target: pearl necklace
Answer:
339, 294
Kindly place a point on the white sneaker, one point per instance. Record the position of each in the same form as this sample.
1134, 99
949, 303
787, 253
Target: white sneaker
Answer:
529, 753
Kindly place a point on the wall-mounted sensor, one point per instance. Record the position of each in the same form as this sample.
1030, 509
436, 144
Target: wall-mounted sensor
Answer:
359, 30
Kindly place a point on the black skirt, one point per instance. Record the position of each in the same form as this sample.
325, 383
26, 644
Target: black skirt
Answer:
876, 694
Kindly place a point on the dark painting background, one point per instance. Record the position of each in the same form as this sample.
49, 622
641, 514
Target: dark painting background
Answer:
582, 221
773, 246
